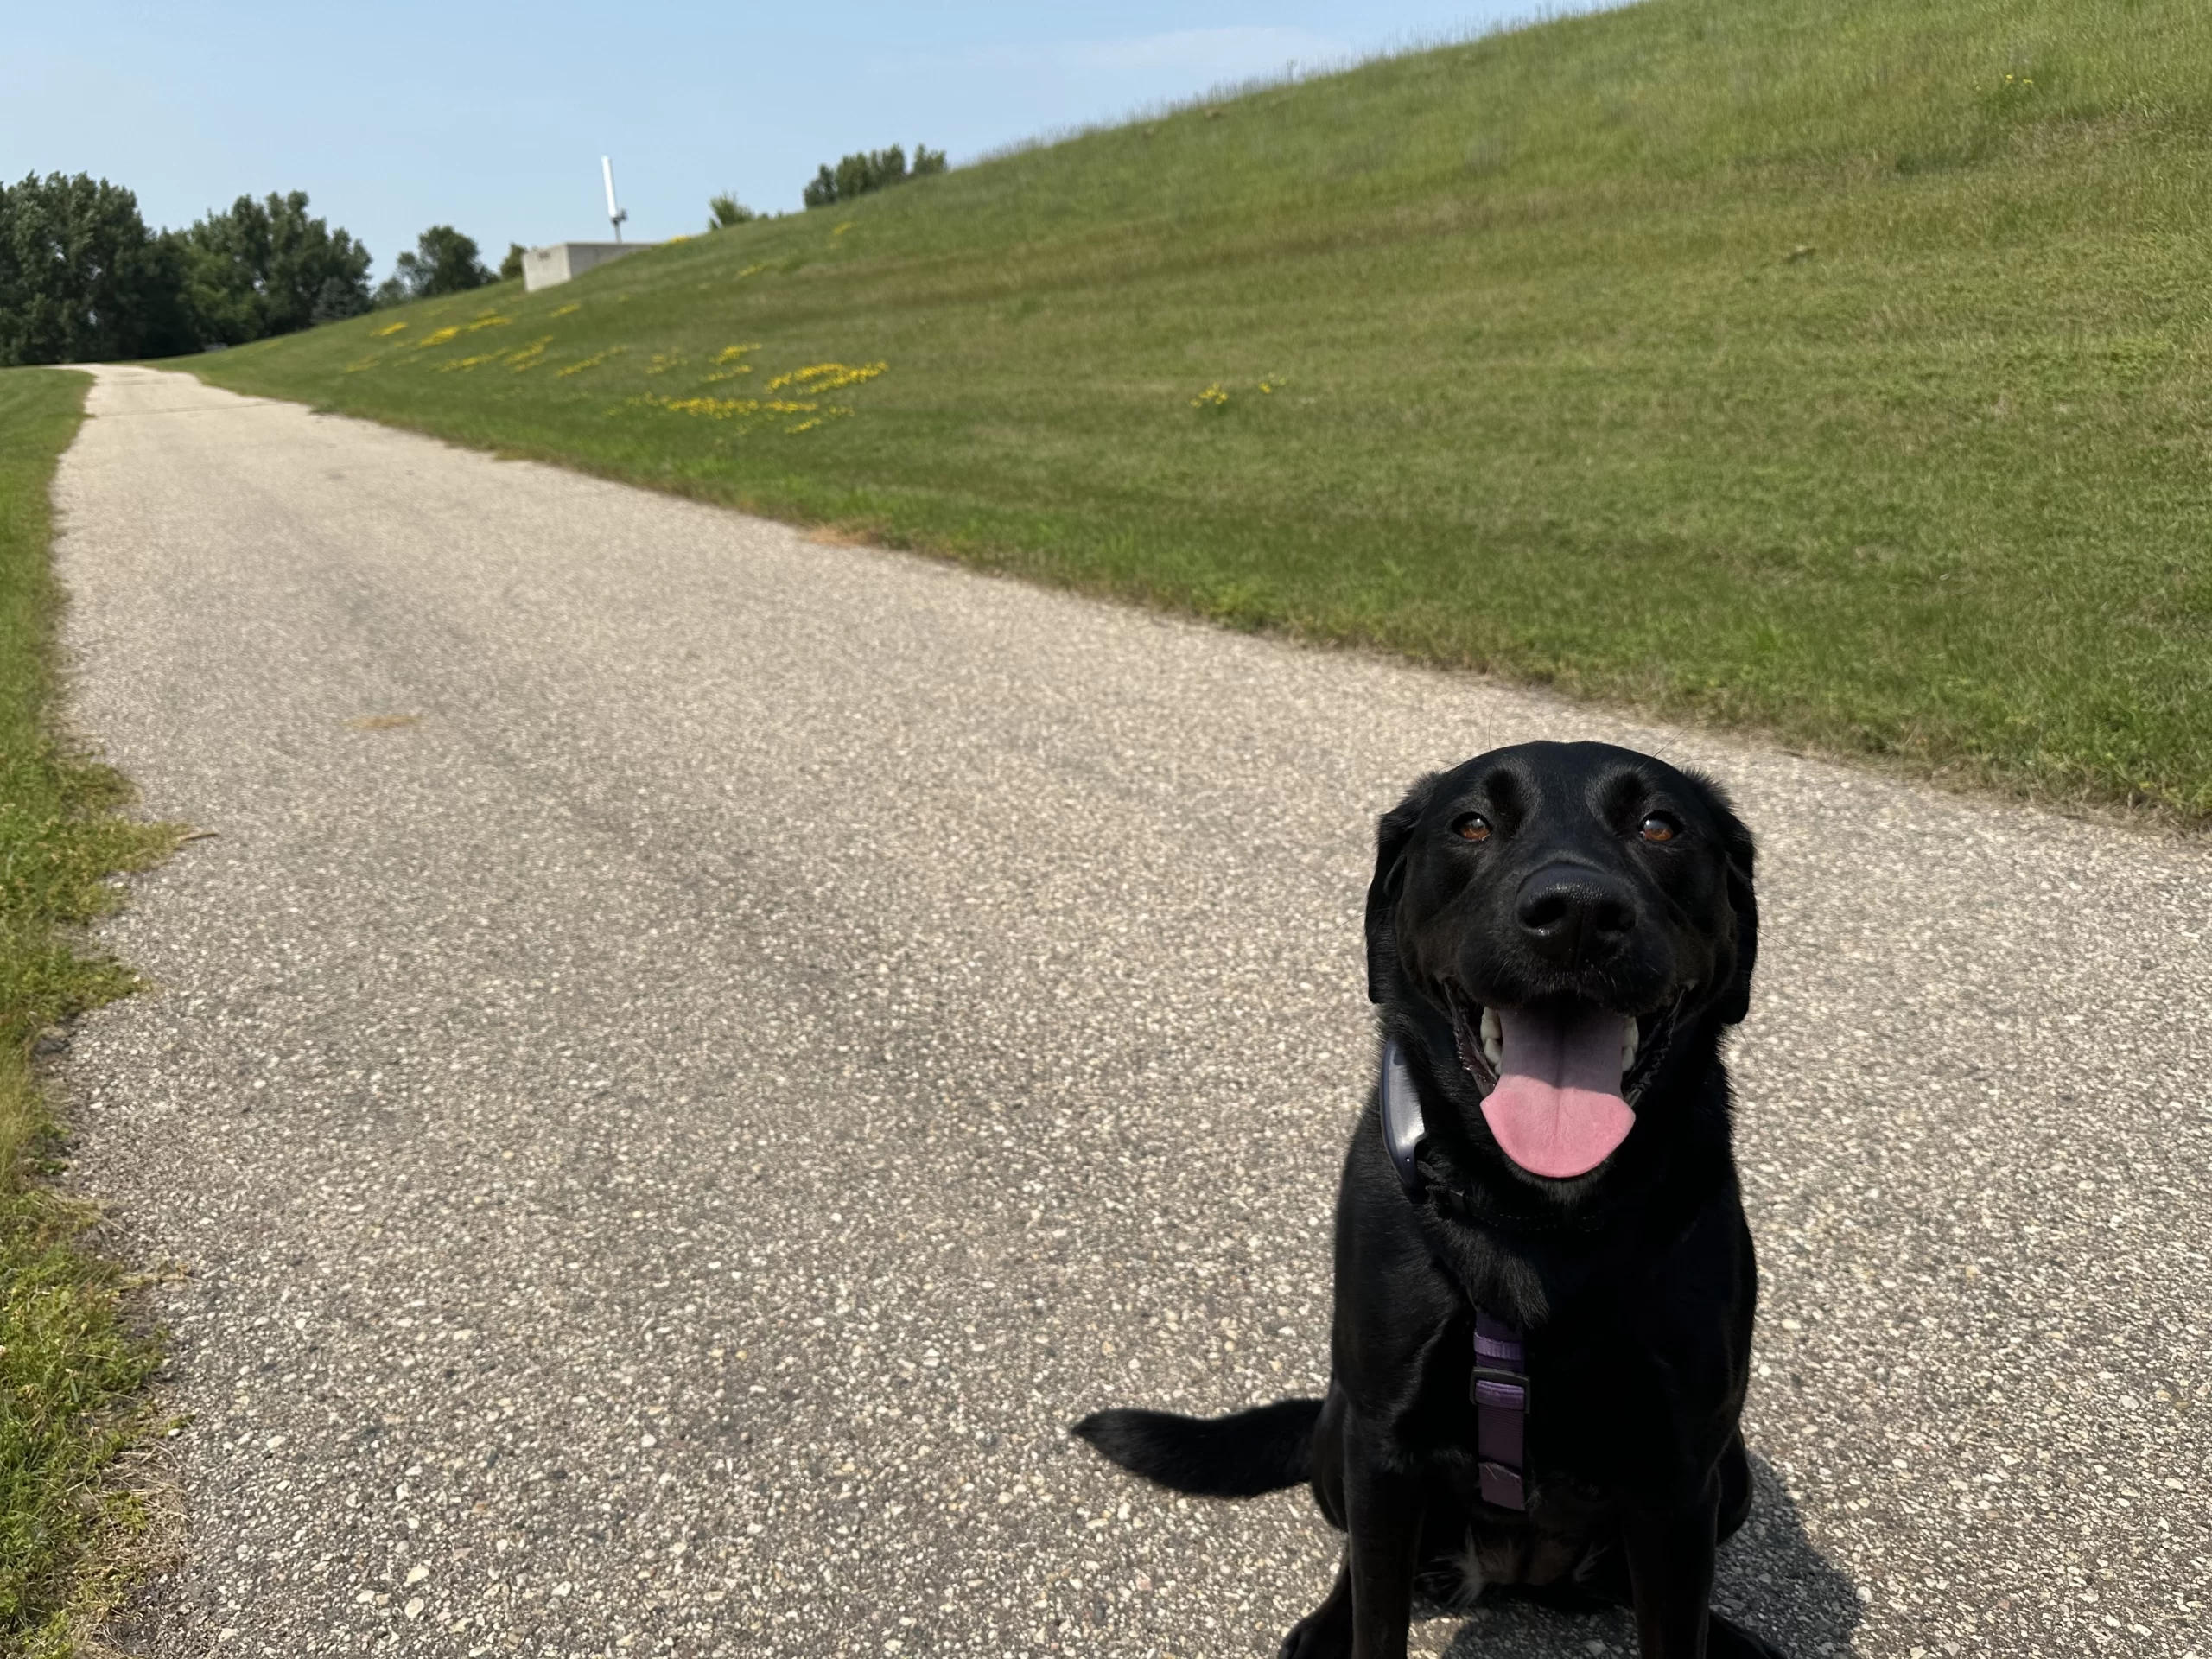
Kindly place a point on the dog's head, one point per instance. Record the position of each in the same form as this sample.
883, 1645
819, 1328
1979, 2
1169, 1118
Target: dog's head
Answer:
1556, 928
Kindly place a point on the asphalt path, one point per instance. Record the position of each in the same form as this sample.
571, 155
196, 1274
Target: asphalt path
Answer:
690, 1054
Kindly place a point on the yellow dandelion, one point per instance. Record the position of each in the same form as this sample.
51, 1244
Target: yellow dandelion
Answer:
590, 362
827, 377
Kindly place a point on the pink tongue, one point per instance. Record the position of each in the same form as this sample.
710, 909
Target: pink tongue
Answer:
1557, 1109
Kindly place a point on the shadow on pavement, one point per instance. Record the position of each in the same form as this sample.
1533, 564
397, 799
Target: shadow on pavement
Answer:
1772, 1581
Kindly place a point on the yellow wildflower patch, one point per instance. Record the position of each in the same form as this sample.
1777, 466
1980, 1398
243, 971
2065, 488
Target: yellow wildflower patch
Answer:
524, 359
721, 409
826, 376
468, 363
664, 361
388, 330
590, 362
752, 271
569, 309
746, 409
801, 412
729, 357
438, 337
359, 365
1214, 399
489, 320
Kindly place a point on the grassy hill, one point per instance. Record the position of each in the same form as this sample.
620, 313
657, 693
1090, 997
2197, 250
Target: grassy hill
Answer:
1838, 370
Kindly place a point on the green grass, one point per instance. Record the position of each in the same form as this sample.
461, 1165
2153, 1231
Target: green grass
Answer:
68, 1368
1834, 371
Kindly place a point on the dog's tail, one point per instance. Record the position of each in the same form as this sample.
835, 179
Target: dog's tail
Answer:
1262, 1450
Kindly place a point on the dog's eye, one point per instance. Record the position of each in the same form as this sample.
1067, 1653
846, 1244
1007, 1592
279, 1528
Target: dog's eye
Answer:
1660, 827
1473, 827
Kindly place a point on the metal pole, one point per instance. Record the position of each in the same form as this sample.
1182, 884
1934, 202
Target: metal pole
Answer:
615, 215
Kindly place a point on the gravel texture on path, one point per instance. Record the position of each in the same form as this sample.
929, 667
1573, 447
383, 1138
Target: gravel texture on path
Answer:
690, 1054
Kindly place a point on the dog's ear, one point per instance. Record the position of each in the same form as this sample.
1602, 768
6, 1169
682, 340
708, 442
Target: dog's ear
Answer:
1391, 834
1743, 899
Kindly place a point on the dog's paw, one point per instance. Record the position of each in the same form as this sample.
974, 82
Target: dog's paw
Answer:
1320, 1635
1726, 1641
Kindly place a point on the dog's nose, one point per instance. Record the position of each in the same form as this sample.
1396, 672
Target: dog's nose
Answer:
1574, 916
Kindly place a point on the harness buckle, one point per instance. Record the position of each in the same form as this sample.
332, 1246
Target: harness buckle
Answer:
1489, 1386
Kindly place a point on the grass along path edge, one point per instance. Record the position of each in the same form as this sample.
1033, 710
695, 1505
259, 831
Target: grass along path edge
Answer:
70, 1368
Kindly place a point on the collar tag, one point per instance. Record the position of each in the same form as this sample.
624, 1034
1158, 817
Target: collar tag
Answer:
1402, 1127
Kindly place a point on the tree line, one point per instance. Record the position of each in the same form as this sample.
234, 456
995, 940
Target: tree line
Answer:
868, 170
83, 279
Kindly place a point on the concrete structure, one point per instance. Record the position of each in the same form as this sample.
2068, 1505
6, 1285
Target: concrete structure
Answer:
544, 267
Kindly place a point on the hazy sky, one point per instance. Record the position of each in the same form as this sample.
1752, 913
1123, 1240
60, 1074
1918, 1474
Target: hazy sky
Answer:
401, 114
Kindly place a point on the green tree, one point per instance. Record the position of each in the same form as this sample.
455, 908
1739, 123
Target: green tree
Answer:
82, 279
869, 169
443, 262
511, 267
727, 210
268, 267
337, 300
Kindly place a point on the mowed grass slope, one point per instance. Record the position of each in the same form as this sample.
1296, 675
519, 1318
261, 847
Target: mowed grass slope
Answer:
1840, 370
67, 1367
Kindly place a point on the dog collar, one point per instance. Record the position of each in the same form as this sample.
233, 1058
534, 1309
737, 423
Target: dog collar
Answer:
1405, 1136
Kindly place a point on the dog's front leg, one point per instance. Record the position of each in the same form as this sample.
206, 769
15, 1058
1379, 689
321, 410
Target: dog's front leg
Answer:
1670, 1575
1383, 1515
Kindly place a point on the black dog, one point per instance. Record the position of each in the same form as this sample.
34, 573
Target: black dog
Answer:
1544, 1280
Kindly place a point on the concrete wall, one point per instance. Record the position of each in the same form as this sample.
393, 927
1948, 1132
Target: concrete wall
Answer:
545, 267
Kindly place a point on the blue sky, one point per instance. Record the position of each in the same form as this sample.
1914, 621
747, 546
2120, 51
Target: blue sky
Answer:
493, 117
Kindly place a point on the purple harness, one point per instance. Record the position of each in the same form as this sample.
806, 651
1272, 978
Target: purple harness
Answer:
1499, 1388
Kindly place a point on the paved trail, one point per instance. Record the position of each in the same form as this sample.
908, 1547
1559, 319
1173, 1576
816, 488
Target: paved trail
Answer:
692, 1054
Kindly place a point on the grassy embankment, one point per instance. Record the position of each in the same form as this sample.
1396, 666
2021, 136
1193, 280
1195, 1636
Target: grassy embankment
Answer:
67, 1369
1838, 371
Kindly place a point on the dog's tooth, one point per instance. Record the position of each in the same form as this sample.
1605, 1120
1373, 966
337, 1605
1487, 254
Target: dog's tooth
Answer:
1493, 1038
1631, 1037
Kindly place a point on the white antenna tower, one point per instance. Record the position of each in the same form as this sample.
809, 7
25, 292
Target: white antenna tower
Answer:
615, 215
